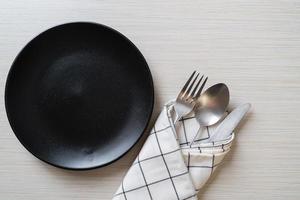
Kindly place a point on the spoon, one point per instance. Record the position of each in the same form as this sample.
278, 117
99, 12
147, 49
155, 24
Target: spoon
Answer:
211, 105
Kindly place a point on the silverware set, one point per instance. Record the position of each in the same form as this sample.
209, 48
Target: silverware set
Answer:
209, 107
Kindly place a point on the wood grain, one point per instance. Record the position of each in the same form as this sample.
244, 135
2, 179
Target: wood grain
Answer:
253, 46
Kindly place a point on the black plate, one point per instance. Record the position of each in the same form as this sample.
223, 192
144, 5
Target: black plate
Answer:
79, 95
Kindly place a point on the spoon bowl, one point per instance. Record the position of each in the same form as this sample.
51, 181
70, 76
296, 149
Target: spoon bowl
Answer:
212, 104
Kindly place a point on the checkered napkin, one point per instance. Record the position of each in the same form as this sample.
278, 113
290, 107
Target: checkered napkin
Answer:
175, 161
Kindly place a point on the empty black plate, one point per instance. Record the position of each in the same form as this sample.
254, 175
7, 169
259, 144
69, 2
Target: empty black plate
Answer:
79, 95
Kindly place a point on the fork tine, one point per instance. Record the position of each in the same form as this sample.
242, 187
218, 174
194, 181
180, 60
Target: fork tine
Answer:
186, 85
201, 88
196, 87
187, 93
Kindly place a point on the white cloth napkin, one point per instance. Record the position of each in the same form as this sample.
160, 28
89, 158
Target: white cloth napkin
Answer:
172, 167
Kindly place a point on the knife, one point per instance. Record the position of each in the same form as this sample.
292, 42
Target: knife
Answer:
227, 126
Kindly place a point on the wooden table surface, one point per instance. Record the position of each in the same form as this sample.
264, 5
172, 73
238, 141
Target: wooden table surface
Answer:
253, 46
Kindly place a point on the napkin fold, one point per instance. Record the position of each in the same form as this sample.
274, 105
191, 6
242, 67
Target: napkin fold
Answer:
177, 160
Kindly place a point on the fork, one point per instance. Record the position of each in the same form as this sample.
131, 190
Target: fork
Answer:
186, 99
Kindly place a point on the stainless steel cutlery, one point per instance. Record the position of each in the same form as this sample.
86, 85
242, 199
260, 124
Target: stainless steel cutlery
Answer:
186, 99
230, 122
209, 107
